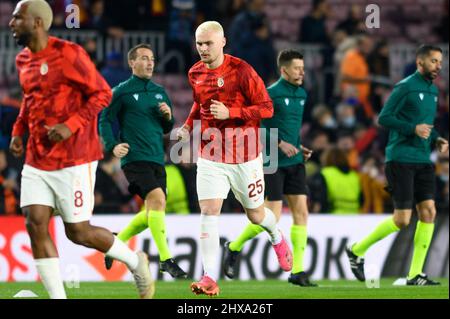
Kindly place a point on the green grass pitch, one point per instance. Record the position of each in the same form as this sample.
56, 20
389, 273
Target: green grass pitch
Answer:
266, 289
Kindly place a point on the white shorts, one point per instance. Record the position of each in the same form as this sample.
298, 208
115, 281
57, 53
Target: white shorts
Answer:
246, 180
70, 191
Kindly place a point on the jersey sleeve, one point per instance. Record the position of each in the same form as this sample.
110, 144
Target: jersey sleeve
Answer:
167, 125
81, 72
388, 115
107, 118
252, 86
21, 124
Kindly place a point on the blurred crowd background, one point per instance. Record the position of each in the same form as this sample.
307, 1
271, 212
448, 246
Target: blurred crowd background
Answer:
340, 123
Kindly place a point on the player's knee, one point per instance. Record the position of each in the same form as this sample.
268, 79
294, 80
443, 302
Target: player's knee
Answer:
402, 220
157, 204
427, 214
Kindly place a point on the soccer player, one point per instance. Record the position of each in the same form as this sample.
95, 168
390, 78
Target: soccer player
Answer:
63, 93
409, 114
229, 97
288, 101
144, 113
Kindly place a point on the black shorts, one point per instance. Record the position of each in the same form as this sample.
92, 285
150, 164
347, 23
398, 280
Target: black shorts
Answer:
409, 184
145, 177
289, 180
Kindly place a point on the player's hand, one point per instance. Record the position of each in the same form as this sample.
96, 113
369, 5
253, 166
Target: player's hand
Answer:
219, 110
120, 150
16, 146
423, 130
306, 153
165, 111
288, 149
58, 133
183, 133
442, 145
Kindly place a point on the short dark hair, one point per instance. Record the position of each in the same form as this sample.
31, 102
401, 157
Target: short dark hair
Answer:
425, 49
285, 57
132, 54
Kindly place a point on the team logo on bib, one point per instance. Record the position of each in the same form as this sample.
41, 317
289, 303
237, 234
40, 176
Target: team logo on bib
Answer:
220, 82
435, 99
302, 102
421, 96
286, 100
44, 68
136, 96
158, 96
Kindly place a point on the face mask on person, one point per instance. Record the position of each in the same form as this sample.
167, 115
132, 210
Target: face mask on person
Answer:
443, 177
349, 121
330, 123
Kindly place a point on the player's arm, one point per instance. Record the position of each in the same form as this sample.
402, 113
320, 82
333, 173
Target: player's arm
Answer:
253, 88
20, 127
81, 72
167, 119
388, 115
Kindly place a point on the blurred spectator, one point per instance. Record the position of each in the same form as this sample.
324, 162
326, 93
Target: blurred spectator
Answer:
355, 20
441, 29
259, 52
9, 109
177, 197
355, 72
113, 71
324, 121
346, 117
442, 182
373, 183
180, 33
109, 197
90, 45
9, 202
319, 143
243, 25
101, 22
380, 69
336, 188
313, 27
346, 143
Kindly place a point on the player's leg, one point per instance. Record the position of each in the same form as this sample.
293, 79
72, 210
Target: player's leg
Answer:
44, 251
38, 201
247, 184
212, 188
426, 208
299, 238
74, 187
400, 179
274, 194
155, 203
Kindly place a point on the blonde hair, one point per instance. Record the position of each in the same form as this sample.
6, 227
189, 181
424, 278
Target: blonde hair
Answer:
210, 26
39, 9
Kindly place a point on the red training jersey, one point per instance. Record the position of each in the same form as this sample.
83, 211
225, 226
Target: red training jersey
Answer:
237, 85
60, 85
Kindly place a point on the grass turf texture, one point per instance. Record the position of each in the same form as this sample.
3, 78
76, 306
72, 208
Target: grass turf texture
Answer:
267, 289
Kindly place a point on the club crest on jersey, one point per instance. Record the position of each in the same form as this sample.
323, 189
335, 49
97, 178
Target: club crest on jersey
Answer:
44, 68
286, 100
435, 99
421, 96
158, 96
136, 96
220, 82
302, 102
